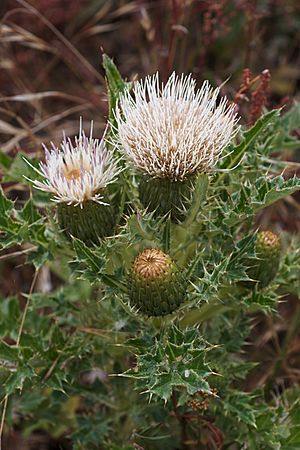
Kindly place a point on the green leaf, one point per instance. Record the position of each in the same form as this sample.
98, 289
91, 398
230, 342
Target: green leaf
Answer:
249, 137
16, 380
9, 316
176, 359
5, 161
252, 196
39, 256
29, 213
239, 404
115, 86
96, 264
6, 205
19, 169
8, 227
8, 352
90, 431
206, 312
291, 120
85, 254
198, 199
278, 188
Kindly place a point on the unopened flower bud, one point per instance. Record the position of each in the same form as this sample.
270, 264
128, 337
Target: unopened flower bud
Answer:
265, 268
156, 286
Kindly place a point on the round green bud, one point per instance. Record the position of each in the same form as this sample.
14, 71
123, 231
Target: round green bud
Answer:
156, 286
268, 250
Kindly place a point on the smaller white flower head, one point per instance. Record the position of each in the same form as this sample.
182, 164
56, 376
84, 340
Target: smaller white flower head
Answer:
174, 130
75, 173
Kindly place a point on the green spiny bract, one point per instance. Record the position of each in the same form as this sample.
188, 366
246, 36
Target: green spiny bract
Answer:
265, 268
89, 222
164, 196
156, 286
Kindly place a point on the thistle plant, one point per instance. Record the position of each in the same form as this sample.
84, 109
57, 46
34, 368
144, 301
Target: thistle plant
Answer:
143, 340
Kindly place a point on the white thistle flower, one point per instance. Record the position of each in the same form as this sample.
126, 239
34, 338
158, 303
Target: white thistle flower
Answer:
173, 130
77, 173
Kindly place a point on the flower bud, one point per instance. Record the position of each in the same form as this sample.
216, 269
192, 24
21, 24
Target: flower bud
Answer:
155, 284
265, 268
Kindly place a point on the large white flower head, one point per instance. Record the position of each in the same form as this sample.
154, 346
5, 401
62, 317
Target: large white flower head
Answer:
174, 130
76, 173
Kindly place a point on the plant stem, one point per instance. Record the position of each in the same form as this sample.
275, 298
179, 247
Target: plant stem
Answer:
26, 308
182, 421
3, 418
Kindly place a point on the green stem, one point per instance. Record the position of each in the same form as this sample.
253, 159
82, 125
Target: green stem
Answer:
182, 421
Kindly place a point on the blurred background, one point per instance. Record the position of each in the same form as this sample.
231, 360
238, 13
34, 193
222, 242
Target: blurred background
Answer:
51, 52
51, 74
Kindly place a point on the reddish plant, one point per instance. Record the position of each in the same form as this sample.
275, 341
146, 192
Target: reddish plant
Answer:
259, 96
254, 90
215, 21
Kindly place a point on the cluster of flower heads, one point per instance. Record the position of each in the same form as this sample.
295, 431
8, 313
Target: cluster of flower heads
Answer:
167, 131
75, 173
